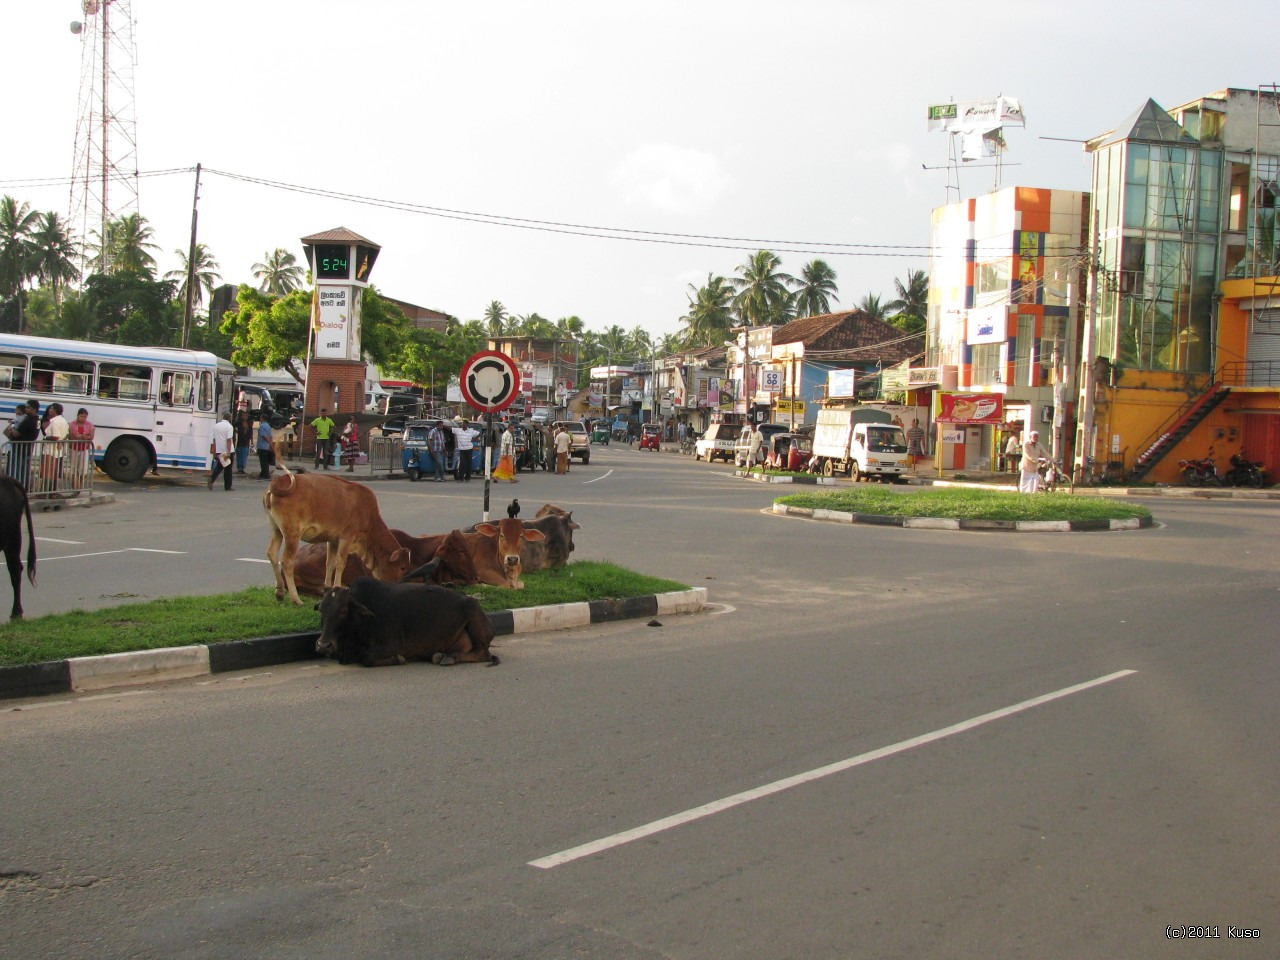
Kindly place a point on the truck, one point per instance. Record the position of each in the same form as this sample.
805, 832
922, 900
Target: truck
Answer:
859, 442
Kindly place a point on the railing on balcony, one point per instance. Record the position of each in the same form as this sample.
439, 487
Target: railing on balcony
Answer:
1251, 373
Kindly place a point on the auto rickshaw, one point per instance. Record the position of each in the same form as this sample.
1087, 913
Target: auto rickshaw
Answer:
789, 451
651, 436
600, 432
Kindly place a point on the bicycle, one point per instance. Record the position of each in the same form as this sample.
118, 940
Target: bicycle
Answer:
1090, 473
1053, 479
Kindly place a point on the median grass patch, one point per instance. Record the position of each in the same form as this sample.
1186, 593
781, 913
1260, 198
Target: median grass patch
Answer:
964, 503
184, 621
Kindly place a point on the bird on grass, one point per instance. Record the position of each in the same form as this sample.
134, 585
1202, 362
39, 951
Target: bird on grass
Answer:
513, 509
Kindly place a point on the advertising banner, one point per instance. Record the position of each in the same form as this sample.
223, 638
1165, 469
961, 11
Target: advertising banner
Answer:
976, 116
989, 325
970, 408
332, 320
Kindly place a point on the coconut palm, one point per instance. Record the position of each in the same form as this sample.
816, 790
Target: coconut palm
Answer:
761, 290
710, 315
815, 289
496, 318
55, 255
17, 225
206, 274
872, 307
127, 247
913, 295
570, 328
279, 273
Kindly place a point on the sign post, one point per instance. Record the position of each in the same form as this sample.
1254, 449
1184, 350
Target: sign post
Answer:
490, 382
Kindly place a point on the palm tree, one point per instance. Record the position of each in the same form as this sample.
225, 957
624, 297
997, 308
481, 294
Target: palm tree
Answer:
710, 315
17, 224
279, 273
127, 247
913, 296
639, 341
815, 289
761, 294
206, 274
570, 328
56, 253
496, 318
872, 307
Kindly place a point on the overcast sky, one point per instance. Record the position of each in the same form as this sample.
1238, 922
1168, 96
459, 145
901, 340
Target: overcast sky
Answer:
766, 122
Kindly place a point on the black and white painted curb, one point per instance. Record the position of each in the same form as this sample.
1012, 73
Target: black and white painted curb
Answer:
82, 674
946, 523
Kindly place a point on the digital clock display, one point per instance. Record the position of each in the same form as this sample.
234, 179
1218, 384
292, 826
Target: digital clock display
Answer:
333, 262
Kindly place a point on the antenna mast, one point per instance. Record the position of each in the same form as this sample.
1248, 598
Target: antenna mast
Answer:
104, 174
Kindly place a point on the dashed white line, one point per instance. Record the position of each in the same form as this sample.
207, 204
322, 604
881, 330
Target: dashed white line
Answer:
719, 806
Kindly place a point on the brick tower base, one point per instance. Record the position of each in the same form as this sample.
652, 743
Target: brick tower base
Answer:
336, 386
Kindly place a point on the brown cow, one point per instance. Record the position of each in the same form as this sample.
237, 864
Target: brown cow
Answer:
452, 549
496, 551
330, 510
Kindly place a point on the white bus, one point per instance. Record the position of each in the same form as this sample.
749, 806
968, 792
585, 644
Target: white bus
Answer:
149, 404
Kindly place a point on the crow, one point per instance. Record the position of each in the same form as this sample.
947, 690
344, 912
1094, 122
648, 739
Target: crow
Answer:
513, 510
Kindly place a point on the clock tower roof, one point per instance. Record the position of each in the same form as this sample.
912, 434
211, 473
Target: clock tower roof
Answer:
340, 235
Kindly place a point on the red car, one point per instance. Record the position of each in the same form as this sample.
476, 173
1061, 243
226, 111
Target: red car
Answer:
650, 436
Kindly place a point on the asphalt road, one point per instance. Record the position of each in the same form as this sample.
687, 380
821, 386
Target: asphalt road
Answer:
881, 743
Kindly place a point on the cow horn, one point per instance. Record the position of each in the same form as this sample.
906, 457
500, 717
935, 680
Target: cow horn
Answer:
425, 572
361, 608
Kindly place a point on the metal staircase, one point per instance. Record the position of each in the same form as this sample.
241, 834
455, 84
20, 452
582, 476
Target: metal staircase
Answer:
1175, 428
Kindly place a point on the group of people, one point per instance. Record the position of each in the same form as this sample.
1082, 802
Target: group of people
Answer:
63, 463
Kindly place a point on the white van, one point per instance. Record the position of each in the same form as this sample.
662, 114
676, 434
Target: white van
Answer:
717, 443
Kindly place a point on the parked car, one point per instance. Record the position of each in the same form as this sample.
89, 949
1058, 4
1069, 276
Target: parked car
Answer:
717, 443
581, 440
767, 432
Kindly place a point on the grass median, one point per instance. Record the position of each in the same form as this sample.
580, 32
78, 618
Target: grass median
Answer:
964, 503
183, 621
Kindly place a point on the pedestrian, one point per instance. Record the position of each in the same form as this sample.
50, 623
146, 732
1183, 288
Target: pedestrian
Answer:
1032, 453
265, 448
1013, 452
754, 441
323, 426
23, 431
290, 436
464, 441
915, 443
563, 444
55, 447
80, 433
436, 444
244, 439
223, 448
506, 469
350, 441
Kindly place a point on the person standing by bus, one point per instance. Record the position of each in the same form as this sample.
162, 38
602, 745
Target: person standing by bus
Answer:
55, 447
244, 440
80, 433
223, 449
265, 448
323, 427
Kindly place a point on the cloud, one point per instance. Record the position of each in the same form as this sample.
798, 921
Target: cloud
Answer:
672, 179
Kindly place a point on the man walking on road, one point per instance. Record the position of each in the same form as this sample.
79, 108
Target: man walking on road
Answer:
465, 438
323, 427
223, 448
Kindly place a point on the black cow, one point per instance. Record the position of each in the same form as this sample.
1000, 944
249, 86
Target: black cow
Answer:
378, 624
13, 504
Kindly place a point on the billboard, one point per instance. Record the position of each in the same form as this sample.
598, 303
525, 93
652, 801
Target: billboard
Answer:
970, 408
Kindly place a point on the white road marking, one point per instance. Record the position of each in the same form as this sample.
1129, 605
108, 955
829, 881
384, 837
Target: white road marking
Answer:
598, 478
177, 553
63, 703
107, 553
52, 540
719, 806
253, 560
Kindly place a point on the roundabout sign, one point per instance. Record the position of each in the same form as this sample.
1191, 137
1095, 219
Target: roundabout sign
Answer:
490, 381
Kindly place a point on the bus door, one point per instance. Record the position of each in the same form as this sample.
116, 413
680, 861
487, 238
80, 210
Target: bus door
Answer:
178, 432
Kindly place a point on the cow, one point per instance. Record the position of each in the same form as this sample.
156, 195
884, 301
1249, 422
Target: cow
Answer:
13, 504
380, 624
556, 526
321, 509
452, 550
495, 548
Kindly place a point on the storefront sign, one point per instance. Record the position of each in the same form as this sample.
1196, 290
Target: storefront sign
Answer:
970, 408
922, 376
988, 325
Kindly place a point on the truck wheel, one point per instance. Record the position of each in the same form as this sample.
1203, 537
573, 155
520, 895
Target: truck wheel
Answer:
855, 472
828, 468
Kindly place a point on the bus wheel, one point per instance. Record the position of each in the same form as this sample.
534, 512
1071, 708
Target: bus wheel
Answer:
126, 460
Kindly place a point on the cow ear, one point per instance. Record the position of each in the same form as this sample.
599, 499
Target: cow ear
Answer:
534, 535
488, 529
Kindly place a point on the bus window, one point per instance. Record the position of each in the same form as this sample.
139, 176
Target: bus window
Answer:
120, 382
60, 375
176, 387
13, 371
206, 390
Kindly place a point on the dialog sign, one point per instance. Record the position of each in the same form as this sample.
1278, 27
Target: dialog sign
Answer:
490, 381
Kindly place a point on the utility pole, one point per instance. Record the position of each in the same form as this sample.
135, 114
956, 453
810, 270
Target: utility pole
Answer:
1084, 432
191, 265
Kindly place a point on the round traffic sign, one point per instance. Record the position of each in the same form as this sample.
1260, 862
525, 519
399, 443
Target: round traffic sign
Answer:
490, 381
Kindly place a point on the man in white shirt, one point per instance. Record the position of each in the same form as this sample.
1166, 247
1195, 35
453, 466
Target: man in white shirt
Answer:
223, 449
56, 429
464, 440
1032, 454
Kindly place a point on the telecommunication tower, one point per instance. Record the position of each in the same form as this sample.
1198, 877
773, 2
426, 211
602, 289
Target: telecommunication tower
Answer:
104, 176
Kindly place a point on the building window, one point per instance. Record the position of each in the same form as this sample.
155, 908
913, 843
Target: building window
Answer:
1022, 359
986, 363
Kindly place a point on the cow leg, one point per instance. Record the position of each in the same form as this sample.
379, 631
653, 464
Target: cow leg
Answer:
335, 562
286, 563
273, 557
13, 558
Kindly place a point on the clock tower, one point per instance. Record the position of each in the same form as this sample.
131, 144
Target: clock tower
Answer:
340, 261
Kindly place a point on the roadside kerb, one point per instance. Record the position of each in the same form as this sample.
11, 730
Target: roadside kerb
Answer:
948, 523
81, 674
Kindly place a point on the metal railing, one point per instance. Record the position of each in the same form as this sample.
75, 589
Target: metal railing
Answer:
1251, 373
385, 454
50, 469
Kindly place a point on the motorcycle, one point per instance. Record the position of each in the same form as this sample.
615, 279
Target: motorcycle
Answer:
1245, 473
1197, 473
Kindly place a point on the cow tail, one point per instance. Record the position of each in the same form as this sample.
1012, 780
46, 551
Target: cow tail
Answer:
31, 540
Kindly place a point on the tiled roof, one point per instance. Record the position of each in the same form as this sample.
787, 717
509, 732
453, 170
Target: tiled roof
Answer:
864, 338
340, 235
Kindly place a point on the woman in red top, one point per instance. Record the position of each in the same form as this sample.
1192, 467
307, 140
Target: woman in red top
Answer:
80, 434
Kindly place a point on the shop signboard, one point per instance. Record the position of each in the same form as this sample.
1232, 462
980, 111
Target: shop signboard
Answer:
970, 408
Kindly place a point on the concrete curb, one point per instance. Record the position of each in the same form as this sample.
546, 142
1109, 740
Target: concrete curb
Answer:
945, 523
81, 674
